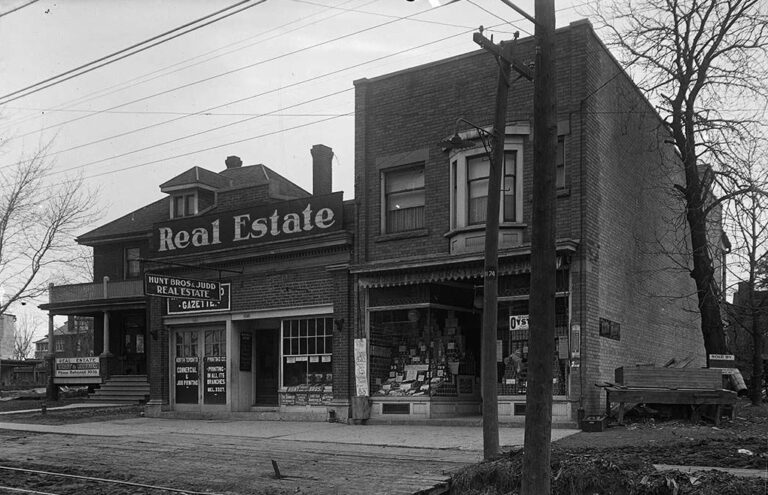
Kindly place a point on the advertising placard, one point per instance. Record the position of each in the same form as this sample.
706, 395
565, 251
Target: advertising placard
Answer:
518, 322
181, 288
246, 351
187, 380
361, 367
186, 306
215, 369
77, 370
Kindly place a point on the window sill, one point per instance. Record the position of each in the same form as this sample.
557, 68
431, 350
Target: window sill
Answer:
481, 227
401, 235
563, 192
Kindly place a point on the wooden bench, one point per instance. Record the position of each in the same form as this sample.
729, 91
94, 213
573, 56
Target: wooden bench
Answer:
697, 388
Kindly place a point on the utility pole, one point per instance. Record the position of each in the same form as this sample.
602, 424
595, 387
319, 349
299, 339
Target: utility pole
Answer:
541, 343
488, 375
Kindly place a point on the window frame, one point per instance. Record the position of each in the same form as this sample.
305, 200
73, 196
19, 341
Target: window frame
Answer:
459, 168
129, 260
182, 203
292, 332
385, 179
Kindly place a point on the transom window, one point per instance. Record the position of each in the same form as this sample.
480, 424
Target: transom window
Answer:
184, 205
404, 200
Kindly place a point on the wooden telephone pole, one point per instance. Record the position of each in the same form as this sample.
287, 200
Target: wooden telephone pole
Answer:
541, 343
488, 375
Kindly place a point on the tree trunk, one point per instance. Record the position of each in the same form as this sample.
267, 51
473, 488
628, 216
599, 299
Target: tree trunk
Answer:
703, 275
756, 386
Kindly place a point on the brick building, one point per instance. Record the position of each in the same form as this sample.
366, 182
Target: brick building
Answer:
622, 297
72, 339
276, 340
740, 325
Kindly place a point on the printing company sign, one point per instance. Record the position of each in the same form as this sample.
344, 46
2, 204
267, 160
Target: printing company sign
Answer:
257, 224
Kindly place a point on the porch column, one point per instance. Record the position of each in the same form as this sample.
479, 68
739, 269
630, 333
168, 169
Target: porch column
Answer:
52, 391
105, 351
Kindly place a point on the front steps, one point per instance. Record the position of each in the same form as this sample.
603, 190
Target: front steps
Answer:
128, 389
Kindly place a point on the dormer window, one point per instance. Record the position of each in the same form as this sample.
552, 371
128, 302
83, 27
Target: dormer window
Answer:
184, 205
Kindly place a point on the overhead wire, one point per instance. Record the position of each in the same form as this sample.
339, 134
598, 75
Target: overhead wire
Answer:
132, 83
232, 71
108, 59
241, 100
2, 14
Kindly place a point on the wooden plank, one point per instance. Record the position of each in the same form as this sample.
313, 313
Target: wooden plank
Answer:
663, 396
657, 377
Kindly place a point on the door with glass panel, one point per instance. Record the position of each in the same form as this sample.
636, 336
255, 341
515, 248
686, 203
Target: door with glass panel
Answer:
200, 372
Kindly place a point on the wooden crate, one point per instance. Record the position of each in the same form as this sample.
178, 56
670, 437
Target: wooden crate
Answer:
671, 378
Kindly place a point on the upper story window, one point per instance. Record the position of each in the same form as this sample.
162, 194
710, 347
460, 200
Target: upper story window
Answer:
59, 345
469, 187
403, 199
478, 169
184, 205
132, 265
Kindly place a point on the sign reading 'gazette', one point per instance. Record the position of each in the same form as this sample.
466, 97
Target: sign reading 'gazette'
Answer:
258, 224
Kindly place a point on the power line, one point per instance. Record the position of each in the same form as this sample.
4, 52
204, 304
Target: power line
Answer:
18, 8
72, 73
241, 100
138, 80
216, 76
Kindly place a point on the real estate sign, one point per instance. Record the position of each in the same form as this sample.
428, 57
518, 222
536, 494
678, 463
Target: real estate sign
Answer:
181, 288
77, 370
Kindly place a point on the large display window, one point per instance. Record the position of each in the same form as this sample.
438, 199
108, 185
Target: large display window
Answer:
307, 369
423, 351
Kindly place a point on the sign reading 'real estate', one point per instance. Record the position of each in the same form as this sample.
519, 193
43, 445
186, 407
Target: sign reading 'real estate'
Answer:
181, 288
257, 224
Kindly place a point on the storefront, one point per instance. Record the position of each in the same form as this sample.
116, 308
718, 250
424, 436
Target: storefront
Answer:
423, 341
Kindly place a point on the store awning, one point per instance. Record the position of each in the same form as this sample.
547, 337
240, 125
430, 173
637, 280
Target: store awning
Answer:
425, 274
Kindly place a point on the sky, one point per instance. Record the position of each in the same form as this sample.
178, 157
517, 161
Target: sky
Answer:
265, 84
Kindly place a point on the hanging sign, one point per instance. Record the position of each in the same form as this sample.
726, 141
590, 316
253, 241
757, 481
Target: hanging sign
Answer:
181, 288
184, 306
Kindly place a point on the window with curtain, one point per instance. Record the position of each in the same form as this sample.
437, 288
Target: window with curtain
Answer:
404, 199
478, 169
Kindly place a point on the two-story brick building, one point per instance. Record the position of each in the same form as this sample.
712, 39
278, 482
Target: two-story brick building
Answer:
276, 340
622, 297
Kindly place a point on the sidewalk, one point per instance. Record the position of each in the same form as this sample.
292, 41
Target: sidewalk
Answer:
464, 438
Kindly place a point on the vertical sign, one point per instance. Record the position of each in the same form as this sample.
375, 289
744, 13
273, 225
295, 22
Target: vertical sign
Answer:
215, 369
187, 380
361, 367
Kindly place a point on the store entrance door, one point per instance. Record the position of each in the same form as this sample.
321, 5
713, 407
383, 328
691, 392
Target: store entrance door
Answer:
266, 376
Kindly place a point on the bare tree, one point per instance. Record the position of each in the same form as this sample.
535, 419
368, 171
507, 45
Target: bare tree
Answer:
39, 217
28, 326
747, 223
698, 61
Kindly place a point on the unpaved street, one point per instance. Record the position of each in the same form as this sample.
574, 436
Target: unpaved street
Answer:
233, 458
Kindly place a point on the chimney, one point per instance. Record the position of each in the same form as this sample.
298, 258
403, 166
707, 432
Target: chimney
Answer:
322, 156
233, 162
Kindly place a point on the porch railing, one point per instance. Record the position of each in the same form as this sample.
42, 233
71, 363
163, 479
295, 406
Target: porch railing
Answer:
95, 291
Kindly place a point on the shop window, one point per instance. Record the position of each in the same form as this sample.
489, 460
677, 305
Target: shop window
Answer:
132, 263
307, 351
215, 343
403, 199
469, 187
423, 352
184, 205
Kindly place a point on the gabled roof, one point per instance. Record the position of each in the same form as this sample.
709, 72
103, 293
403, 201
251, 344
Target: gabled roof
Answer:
194, 177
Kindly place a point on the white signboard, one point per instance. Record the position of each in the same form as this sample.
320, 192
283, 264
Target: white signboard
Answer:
77, 367
361, 367
518, 322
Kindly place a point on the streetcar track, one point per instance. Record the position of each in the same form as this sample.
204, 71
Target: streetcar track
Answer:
93, 479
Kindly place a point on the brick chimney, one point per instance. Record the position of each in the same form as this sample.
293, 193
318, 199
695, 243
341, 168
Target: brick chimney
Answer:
233, 162
322, 156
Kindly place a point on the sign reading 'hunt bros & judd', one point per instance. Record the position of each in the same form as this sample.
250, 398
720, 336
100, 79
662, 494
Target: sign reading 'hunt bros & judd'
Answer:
257, 224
